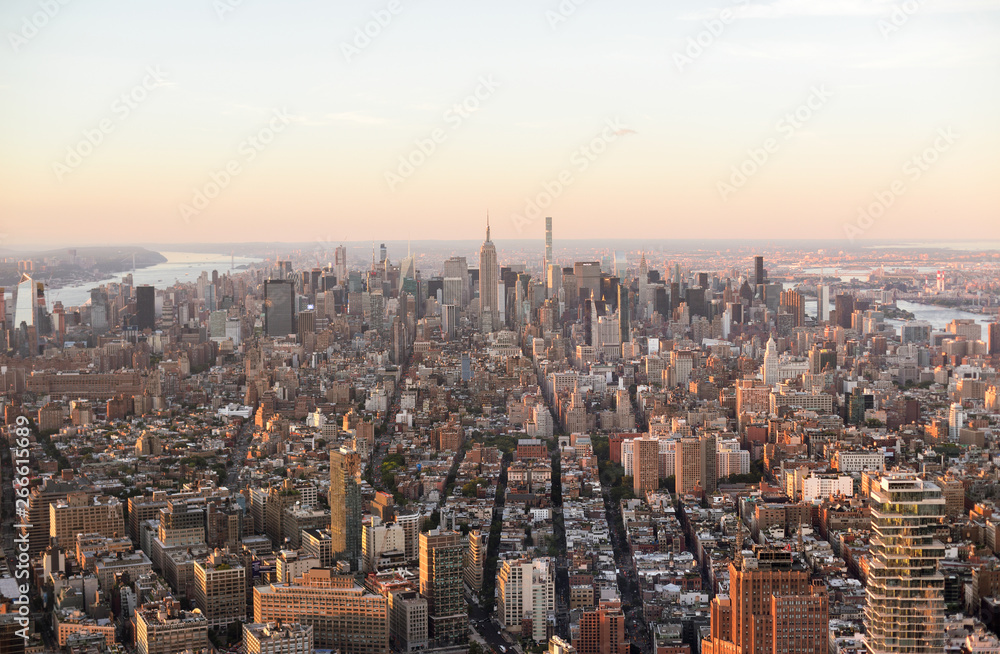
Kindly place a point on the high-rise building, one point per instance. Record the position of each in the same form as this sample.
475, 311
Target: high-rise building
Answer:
145, 307
770, 368
220, 589
548, 242
441, 554
646, 453
905, 609
489, 277
24, 305
407, 620
760, 275
79, 514
687, 461
279, 307
794, 303
624, 313
345, 505
475, 556
845, 309
163, 628
993, 338
601, 631
344, 616
383, 543
526, 592
771, 608
709, 462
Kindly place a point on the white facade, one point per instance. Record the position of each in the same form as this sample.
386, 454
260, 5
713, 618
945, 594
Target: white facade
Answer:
526, 590
820, 487
730, 459
848, 461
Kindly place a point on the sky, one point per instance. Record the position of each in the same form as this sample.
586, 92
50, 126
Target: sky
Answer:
251, 120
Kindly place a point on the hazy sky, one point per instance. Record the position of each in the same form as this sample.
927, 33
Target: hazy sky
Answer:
625, 119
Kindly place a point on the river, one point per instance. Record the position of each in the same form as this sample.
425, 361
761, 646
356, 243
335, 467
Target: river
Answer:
179, 267
938, 317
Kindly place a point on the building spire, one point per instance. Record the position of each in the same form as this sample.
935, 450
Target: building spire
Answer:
487, 225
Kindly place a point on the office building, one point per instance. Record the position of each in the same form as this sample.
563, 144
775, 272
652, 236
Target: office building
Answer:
79, 514
905, 610
548, 243
145, 307
475, 555
220, 589
489, 279
279, 307
772, 608
163, 628
526, 593
277, 639
344, 616
345, 506
407, 620
441, 554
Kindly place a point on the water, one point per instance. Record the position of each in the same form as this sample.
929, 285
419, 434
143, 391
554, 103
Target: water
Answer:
179, 267
938, 317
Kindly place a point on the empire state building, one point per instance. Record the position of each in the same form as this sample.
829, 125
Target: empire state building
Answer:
489, 304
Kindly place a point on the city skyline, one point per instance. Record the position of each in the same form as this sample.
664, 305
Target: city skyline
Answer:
645, 112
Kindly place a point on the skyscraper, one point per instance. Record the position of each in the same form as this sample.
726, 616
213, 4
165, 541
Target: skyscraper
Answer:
489, 300
441, 554
687, 460
905, 609
993, 338
771, 607
624, 309
145, 307
345, 506
709, 463
279, 307
24, 307
647, 465
548, 242
760, 276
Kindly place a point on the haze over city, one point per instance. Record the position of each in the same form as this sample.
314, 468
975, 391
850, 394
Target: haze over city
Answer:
510, 98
